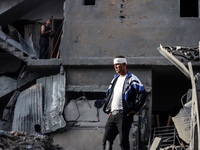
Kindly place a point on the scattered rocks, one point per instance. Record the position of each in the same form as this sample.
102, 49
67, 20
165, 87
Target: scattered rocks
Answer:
24, 141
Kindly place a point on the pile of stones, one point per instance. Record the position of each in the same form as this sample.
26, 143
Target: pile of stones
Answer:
24, 141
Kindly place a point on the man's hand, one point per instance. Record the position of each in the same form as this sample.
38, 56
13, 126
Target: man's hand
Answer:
131, 112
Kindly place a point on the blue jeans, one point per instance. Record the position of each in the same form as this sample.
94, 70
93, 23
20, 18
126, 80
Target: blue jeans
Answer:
118, 124
44, 45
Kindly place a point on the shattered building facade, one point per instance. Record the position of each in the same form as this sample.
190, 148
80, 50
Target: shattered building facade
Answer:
59, 92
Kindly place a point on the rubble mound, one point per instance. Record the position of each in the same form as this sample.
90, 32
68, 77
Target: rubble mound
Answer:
24, 141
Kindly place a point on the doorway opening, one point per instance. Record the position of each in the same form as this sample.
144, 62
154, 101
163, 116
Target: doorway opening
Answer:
169, 86
169, 93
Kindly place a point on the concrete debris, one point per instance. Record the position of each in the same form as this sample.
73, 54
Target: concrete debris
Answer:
173, 148
156, 144
182, 121
23, 141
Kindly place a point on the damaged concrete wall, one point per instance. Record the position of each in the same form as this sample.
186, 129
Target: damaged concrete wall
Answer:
131, 28
97, 79
88, 122
94, 34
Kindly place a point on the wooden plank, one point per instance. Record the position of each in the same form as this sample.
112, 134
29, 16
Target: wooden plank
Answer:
194, 112
156, 144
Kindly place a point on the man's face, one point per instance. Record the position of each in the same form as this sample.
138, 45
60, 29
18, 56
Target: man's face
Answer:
48, 22
120, 68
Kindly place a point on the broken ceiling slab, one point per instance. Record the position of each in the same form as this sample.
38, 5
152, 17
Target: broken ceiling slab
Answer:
28, 109
54, 101
16, 48
11, 45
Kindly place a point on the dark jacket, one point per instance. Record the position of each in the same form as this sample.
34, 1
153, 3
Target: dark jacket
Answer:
133, 94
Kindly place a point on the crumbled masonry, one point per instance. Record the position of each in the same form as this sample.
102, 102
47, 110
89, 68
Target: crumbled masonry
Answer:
24, 141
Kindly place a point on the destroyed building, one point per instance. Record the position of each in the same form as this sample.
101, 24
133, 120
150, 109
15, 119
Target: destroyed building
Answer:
59, 92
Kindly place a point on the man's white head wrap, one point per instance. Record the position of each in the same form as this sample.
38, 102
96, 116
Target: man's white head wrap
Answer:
119, 61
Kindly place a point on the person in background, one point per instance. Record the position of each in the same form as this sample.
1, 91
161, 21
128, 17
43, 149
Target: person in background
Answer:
44, 38
125, 97
38, 129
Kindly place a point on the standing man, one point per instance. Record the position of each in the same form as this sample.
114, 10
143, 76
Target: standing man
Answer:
44, 37
125, 96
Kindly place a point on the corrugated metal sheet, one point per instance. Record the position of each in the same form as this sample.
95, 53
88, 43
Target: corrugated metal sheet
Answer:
54, 100
32, 107
28, 109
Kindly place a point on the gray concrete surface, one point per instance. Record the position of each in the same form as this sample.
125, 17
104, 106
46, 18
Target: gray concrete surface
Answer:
97, 31
82, 139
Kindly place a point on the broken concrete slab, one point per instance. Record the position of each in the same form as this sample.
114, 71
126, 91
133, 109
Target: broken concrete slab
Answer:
182, 122
16, 48
71, 111
81, 110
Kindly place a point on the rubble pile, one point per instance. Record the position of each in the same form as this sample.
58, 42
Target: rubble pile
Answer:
23, 141
173, 148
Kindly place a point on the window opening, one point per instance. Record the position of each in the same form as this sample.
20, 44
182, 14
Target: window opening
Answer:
189, 8
88, 2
